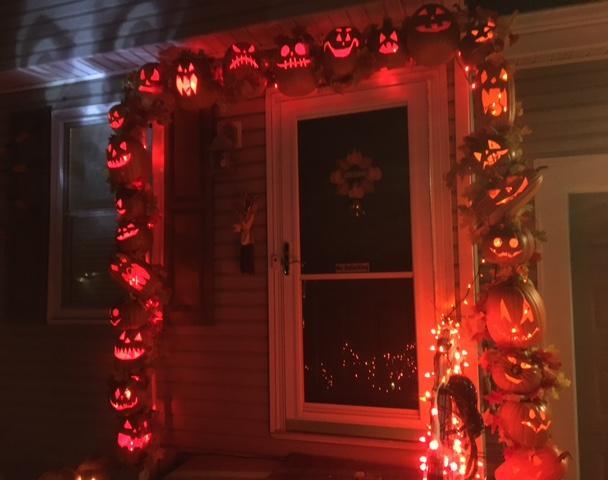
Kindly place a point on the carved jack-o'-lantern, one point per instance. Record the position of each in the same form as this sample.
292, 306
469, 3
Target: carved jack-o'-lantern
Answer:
150, 83
193, 82
129, 394
294, 66
118, 116
340, 49
515, 315
480, 39
131, 205
506, 246
92, 470
540, 464
387, 45
136, 277
242, 70
135, 433
127, 161
432, 35
515, 372
527, 424
486, 149
132, 343
506, 195
134, 238
130, 314
494, 93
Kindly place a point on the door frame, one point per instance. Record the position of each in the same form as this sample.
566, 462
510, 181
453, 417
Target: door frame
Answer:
431, 86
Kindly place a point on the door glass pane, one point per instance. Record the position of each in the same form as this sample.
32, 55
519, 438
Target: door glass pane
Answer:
354, 193
359, 343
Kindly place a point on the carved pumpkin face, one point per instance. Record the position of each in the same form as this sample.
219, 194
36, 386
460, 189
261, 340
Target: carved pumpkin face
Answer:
129, 314
515, 315
515, 372
387, 45
135, 434
128, 394
131, 205
92, 470
432, 35
494, 93
294, 65
127, 161
480, 39
526, 423
340, 49
507, 195
506, 246
487, 150
242, 70
541, 464
134, 276
134, 238
132, 343
150, 81
117, 116
193, 82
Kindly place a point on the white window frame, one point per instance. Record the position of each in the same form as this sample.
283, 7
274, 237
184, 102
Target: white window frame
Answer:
425, 93
56, 313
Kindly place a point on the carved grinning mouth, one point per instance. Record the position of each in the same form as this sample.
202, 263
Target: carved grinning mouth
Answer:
293, 62
127, 232
341, 52
388, 48
514, 380
187, 85
509, 189
542, 427
504, 254
434, 27
128, 353
133, 443
117, 122
148, 88
243, 60
120, 161
127, 404
120, 207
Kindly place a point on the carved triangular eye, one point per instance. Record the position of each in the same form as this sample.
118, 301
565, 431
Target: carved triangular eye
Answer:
138, 337
117, 393
123, 145
190, 67
155, 75
423, 13
504, 311
180, 69
142, 75
525, 366
475, 32
251, 48
123, 335
394, 36
235, 48
492, 145
484, 77
127, 425
382, 37
128, 393
511, 359
503, 74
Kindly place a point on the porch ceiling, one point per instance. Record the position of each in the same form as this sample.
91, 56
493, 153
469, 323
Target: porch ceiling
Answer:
121, 61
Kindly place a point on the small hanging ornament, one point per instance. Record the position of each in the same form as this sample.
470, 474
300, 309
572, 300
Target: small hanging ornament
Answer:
354, 178
244, 229
294, 65
432, 35
193, 81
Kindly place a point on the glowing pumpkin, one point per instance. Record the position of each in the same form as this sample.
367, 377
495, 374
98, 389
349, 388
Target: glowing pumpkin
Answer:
480, 39
243, 71
134, 238
130, 394
135, 434
127, 161
132, 344
150, 83
494, 93
130, 314
534, 464
507, 246
136, 277
193, 82
432, 35
131, 205
92, 470
515, 372
294, 66
506, 195
340, 49
515, 315
527, 424
486, 149
118, 116
387, 45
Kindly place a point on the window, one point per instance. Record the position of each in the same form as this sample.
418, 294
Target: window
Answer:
360, 235
83, 217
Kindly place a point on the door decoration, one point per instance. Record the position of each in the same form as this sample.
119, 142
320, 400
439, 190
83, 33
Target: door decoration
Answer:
355, 177
497, 210
243, 227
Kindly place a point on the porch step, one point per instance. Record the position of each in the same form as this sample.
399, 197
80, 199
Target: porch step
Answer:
293, 467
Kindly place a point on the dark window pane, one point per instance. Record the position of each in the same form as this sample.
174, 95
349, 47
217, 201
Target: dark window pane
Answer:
333, 238
360, 343
88, 246
87, 174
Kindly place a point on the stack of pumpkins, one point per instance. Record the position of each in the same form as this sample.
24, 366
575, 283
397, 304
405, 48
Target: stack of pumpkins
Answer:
522, 373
